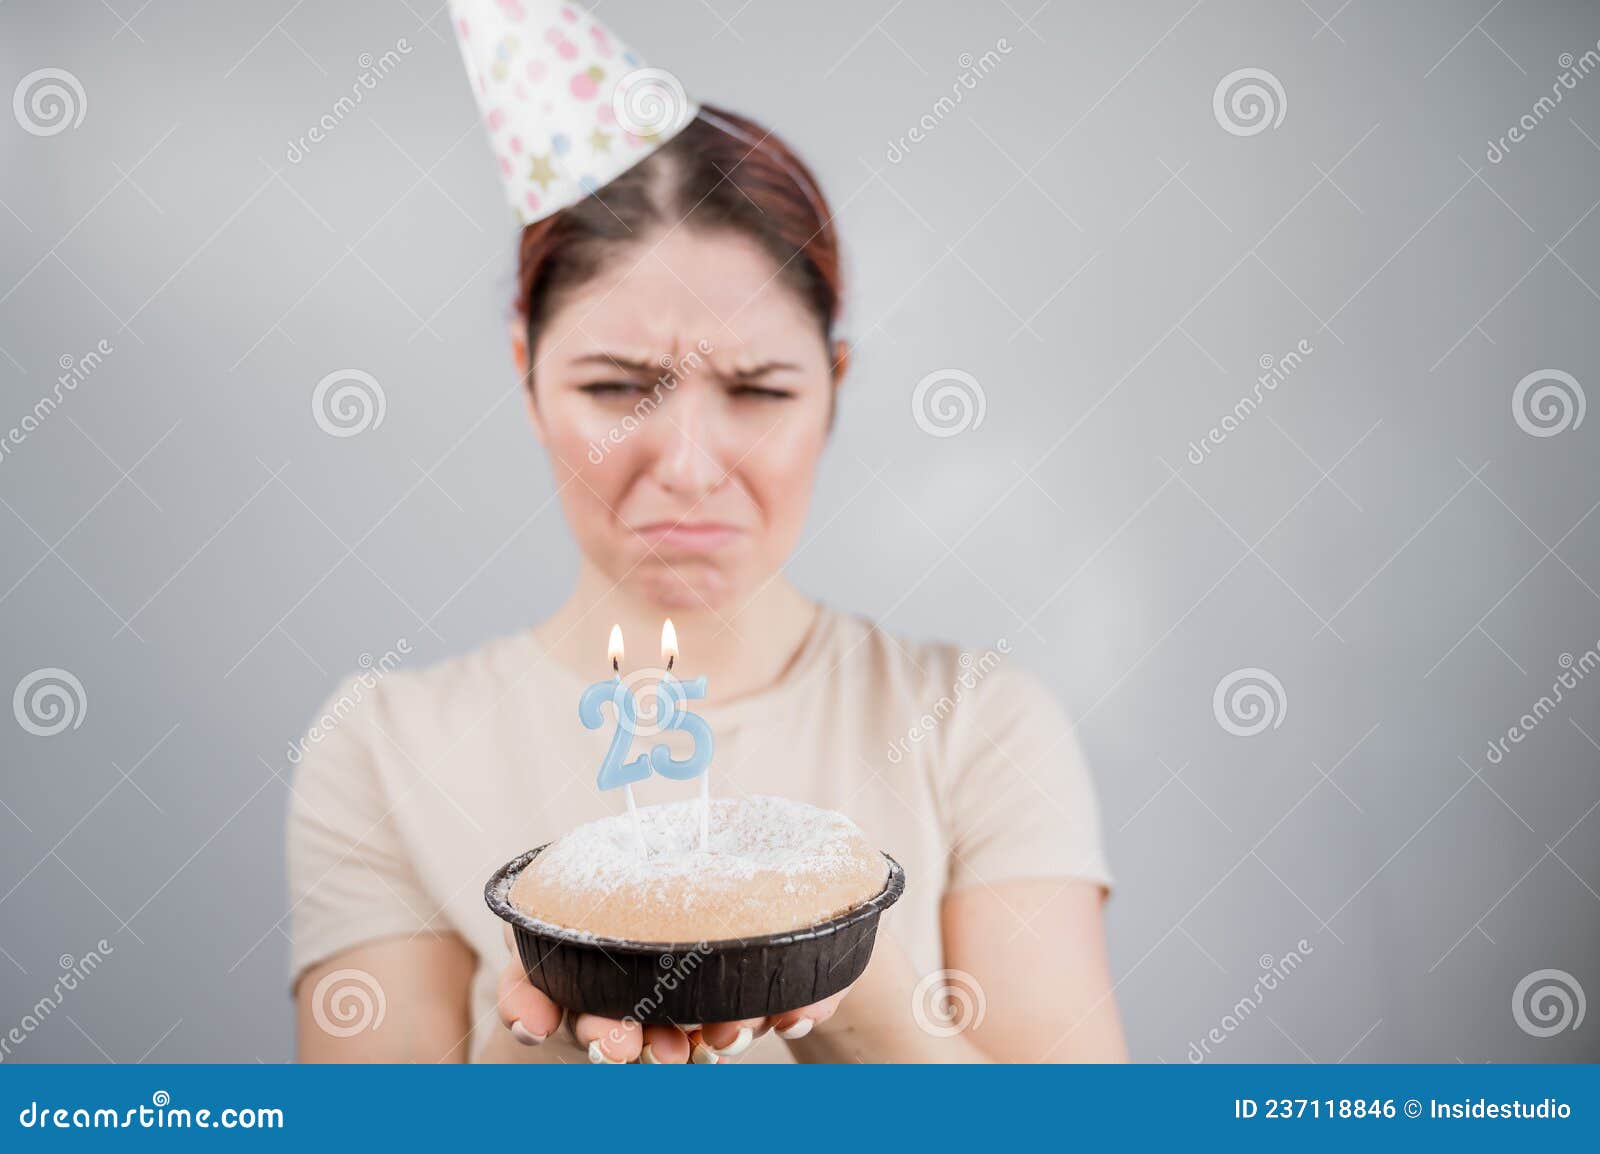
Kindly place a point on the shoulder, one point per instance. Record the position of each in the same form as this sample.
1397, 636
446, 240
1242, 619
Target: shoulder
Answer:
985, 670
865, 647
395, 696
497, 662
954, 692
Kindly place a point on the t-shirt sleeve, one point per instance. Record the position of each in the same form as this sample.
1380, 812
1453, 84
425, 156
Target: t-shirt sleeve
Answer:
1019, 801
350, 877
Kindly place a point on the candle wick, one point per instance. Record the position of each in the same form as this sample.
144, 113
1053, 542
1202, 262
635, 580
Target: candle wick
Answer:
670, 659
616, 666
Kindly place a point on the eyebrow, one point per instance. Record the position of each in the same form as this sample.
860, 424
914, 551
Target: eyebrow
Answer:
760, 370
617, 361
647, 365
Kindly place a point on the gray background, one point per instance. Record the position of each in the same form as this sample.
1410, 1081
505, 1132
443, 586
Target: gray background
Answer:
1082, 236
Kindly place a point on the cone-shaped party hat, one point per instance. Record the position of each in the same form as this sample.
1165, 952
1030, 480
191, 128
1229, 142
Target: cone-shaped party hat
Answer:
568, 106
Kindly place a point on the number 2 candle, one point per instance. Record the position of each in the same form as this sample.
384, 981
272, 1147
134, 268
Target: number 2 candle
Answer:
613, 772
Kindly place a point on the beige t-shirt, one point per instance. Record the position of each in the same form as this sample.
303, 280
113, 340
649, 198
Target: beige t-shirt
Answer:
419, 784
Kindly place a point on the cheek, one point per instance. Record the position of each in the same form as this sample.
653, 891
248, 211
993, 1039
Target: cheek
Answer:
780, 475
592, 463
574, 431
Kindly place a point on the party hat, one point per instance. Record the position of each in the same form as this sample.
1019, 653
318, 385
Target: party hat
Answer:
568, 106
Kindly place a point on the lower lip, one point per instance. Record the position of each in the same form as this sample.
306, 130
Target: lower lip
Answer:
693, 538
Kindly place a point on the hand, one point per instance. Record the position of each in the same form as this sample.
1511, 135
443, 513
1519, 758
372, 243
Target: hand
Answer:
532, 1017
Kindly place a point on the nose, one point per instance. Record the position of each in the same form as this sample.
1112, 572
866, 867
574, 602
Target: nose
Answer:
686, 461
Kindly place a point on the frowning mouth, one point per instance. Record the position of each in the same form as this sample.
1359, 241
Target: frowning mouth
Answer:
689, 536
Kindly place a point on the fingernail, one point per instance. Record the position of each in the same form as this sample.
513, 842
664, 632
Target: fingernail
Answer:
647, 1056
689, 1028
739, 1045
799, 1030
526, 1036
704, 1055
598, 1056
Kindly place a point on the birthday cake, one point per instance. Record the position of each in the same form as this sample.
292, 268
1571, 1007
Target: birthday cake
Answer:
770, 865
701, 910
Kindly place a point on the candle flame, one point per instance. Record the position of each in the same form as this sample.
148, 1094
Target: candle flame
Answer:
614, 648
669, 643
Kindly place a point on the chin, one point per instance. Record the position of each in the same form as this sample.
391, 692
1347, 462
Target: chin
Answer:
688, 587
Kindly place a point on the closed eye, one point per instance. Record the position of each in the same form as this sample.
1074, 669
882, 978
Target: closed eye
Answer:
760, 393
604, 389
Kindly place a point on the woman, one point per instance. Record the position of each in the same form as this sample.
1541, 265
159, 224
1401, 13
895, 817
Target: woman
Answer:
676, 339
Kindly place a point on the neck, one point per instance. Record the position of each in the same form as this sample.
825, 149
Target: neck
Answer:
741, 649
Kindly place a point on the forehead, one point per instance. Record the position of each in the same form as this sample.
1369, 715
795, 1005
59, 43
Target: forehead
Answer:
669, 291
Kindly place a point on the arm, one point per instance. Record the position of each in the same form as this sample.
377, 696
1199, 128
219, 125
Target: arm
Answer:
375, 982
422, 985
1031, 953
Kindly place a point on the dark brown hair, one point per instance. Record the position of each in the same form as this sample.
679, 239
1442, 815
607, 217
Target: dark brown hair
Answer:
720, 172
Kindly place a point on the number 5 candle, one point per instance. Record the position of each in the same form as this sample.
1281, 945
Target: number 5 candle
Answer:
674, 694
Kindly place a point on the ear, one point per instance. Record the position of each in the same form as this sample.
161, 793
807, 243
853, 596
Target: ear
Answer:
521, 357
841, 366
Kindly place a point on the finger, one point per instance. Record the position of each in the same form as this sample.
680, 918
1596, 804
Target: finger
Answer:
701, 1054
608, 1039
795, 1024
730, 1039
664, 1046
524, 1009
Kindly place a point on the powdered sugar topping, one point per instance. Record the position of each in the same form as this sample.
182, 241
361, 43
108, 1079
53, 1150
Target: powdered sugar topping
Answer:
748, 836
